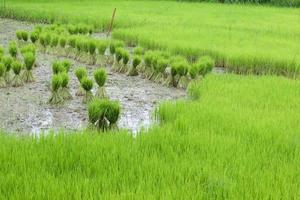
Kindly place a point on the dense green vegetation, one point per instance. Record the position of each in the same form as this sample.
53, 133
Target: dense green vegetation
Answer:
238, 141
243, 38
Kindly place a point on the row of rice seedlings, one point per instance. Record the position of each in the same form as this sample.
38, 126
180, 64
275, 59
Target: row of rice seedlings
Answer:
103, 114
60, 90
86, 84
83, 29
22, 70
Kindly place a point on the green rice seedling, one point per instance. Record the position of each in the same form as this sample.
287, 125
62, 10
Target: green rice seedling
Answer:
100, 77
80, 73
65, 90
54, 42
79, 47
25, 36
194, 71
7, 61
71, 50
92, 51
47, 40
103, 114
34, 36
66, 64
133, 69
19, 35
205, 65
56, 84
72, 29
83, 29
85, 51
146, 69
125, 59
153, 72
13, 49
114, 44
2, 75
29, 60
28, 48
161, 67
62, 45
57, 67
42, 41
182, 70
17, 80
87, 85
138, 51
38, 29
118, 57
101, 48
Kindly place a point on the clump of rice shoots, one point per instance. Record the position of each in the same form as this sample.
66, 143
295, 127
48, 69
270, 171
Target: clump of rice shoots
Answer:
7, 61
87, 85
139, 51
57, 67
205, 65
37, 29
146, 70
133, 69
80, 73
19, 35
66, 64
29, 60
56, 84
182, 70
62, 45
42, 41
101, 48
28, 48
17, 79
92, 51
34, 36
71, 41
79, 48
161, 67
103, 114
25, 36
65, 91
13, 49
54, 42
113, 46
2, 74
118, 58
125, 59
100, 77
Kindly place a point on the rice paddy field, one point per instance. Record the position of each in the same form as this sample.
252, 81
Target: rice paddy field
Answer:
184, 100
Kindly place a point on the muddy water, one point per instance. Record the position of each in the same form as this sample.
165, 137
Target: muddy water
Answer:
25, 109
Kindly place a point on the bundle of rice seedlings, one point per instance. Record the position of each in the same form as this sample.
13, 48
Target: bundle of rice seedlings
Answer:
119, 55
66, 64
79, 48
87, 85
19, 35
65, 91
72, 29
54, 42
62, 45
100, 78
34, 36
146, 69
138, 51
205, 65
56, 84
17, 80
125, 59
135, 62
101, 48
42, 41
80, 73
92, 52
47, 40
71, 46
7, 61
161, 67
57, 67
37, 29
2, 75
28, 48
83, 29
29, 60
12, 49
182, 70
103, 114
85, 51
25, 36
114, 44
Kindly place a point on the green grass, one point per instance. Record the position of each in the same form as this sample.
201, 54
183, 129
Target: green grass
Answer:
243, 38
239, 140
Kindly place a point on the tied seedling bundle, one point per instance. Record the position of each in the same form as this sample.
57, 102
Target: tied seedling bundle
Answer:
17, 79
125, 59
53, 43
7, 61
64, 90
56, 83
34, 36
87, 85
118, 58
101, 48
13, 49
62, 45
161, 66
113, 46
133, 69
103, 114
80, 73
100, 77
29, 60
71, 50
92, 51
